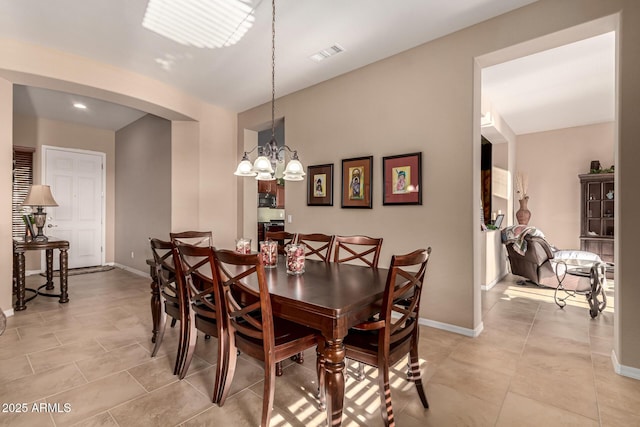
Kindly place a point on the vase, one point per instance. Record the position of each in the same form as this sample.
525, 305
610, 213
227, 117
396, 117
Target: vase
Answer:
523, 214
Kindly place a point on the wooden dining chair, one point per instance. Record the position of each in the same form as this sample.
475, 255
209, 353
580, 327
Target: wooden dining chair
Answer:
384, 341
250, 324
194, 266
194, 238
360, 250
171, 302
282, 237
317, 245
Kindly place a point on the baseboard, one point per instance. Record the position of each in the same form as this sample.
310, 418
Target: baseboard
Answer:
452, 328
32, 272
132, 270
625, 371
9, 312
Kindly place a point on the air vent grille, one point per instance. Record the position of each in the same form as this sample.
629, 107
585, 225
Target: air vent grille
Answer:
327, 53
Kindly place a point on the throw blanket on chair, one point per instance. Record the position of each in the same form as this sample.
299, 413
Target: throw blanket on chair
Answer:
516, 234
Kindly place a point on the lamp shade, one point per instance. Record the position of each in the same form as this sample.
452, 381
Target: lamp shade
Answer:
39, 195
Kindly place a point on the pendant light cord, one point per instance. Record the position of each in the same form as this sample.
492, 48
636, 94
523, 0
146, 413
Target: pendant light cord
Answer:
273, 70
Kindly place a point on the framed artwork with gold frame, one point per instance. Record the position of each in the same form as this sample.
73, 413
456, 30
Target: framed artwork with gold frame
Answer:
356, 182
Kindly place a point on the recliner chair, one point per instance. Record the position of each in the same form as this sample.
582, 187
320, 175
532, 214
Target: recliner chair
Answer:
535, 265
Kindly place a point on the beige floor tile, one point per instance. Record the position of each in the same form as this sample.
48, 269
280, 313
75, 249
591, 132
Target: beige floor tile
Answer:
101, 420
614, 417
96, 397
167, 406
88, 332
75, 351
23, 347
242, 410
490, 386
158, 371
452, 407
576, 393
487, 356
116, 360
13, 368
521, 411
28, 415
246, 375
38, 386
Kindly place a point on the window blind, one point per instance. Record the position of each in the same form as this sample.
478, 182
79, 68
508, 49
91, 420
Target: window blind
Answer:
22, 180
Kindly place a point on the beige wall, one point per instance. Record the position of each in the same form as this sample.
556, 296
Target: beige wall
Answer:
35, 132
427, 99
6, 162
552, 161
143, 189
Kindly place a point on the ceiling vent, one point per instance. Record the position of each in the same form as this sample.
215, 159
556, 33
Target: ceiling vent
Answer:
326, 53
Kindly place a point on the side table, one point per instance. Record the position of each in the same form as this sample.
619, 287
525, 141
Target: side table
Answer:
19, 248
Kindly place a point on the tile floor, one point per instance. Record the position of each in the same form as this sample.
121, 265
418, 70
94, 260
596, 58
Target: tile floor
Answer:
534, 364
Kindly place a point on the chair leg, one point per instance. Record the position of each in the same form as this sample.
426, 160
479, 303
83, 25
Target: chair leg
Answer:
416, 377
191, 347
182, 345
160, 336
228, 368
360, 374
222, 367
386, 407
279, 369
269, 389
173, 322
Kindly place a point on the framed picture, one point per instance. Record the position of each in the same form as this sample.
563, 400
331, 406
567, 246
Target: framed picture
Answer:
320, 187
498, 221
356, 182
402, 179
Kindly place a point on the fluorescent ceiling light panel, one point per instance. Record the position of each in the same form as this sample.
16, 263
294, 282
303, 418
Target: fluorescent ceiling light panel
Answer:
200, 23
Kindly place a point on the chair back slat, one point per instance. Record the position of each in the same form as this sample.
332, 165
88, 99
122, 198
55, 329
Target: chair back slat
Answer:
363, 249
165, 268
247, 313
317, 245
194, 238
194, 266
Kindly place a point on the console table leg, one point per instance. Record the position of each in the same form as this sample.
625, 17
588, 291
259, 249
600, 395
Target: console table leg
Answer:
20, 291
64, 272
49, 256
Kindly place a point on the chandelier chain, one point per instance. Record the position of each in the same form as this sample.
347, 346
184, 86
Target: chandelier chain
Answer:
273, 69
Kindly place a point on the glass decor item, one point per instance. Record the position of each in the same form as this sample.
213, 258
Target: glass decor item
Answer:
295, 258
269, 253
243, 245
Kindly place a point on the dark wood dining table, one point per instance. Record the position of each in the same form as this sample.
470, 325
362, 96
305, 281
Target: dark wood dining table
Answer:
331, 298
328, 297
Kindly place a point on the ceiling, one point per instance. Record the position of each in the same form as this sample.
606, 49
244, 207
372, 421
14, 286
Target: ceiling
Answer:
238, 77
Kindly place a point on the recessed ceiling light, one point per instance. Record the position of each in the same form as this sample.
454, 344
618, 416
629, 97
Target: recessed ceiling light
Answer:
326, 53
79, 105
205, 24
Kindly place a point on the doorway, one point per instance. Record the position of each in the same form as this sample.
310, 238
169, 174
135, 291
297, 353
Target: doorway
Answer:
77, 179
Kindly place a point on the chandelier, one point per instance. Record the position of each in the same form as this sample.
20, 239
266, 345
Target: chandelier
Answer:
261, 168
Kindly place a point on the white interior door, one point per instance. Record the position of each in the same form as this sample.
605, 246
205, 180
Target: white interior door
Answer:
76, 179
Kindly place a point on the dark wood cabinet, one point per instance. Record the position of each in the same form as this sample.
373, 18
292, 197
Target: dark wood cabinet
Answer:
267, 187
597, 214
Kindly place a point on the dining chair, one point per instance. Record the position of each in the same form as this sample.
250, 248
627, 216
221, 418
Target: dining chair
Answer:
194, 238
317, 245
250, 325
384, 341
171, 302
361, 250
282, 237
194, 266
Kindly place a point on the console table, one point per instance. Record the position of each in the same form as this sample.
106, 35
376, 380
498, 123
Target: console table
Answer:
19, 248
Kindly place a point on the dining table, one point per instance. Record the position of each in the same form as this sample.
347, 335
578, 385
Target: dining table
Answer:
330, 298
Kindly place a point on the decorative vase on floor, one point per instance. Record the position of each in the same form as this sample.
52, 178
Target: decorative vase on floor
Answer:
523, 214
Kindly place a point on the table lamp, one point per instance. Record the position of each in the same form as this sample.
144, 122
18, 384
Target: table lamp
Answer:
39, 196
